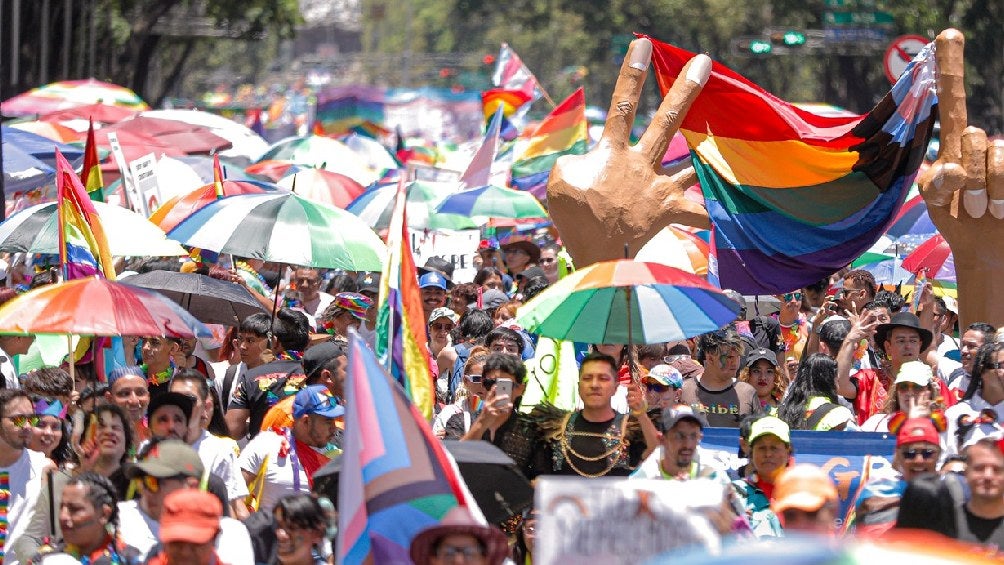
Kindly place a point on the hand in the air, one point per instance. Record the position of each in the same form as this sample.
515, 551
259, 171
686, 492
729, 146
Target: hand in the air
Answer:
620, 194
963, 184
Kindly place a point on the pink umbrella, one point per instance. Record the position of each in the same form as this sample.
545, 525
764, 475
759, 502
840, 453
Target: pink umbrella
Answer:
323, 186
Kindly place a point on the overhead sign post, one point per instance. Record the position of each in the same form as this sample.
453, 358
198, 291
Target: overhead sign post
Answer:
899, 54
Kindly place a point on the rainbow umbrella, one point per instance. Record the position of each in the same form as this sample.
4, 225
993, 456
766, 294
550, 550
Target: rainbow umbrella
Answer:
935, 257
492, 202
97, 307
50, 130
677, 247
371, 151
286, 228
323, 186
175, 210
375, 206
592, 305
274, 170
70, 94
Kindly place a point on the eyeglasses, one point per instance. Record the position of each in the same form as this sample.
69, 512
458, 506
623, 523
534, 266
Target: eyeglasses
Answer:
547, 260
453, 551
24, 420
788, 297
442, 327
910, 387
307, 282
926, 454
152, 484
997, 365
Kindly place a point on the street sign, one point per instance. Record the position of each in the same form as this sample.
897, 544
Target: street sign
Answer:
901, 51
857, 18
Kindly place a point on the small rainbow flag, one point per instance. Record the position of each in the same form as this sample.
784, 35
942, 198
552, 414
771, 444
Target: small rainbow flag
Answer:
90, 174
83, 247
794, 196
563, 132
395, 479
402, 339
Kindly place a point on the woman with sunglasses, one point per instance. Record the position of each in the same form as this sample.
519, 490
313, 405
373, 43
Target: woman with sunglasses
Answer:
662, 386
918, 447
914, 383
454, 420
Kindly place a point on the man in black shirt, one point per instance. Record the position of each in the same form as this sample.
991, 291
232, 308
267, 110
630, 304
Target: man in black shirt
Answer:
262, 387
981, 518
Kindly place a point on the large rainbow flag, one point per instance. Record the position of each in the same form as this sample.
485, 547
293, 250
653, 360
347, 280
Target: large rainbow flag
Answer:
395, 479
83, 246
794, 196
563, 132
401, 335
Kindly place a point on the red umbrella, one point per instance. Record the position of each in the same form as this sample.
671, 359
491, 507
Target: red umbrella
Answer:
97, 307
933, 256
188, 138
102, 113
323, 186
172, 212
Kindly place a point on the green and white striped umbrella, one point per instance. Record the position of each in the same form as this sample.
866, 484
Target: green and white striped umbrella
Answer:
285, 228
375, 206
493, 202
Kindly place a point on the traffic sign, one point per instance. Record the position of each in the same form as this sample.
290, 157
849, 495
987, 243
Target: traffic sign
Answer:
901, 51
857, 18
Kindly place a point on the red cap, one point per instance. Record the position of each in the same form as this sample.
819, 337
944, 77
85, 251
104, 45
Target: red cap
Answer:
917, 430
190, 515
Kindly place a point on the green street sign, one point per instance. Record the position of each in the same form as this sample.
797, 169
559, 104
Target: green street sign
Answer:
760, 47
857, 18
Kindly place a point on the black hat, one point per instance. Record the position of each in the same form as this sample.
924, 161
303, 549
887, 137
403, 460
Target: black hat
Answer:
317, 356
530, 273
758, 354
368, 282
903, 320
183, 401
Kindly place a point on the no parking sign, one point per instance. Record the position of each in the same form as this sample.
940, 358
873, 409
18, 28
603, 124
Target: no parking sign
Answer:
899, 54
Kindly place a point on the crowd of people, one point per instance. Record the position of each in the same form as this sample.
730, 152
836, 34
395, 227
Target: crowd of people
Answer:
199, 451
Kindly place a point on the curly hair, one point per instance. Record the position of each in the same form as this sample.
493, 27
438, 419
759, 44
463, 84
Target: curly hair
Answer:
100, 492
780, 382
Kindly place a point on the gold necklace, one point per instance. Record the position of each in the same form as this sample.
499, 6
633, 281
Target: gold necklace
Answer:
567, 449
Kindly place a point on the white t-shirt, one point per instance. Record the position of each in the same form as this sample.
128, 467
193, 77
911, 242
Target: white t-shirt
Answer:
25, 480
278, 473
220, 370
219, 455
140, 533
8, 371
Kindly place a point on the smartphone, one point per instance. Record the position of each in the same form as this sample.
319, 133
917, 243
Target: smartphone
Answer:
504, 386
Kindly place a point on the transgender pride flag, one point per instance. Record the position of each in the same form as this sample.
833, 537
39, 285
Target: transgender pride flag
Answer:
396, 479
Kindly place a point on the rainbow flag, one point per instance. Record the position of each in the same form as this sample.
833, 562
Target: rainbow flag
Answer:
563, 132
482, 169
83, 247
395, 479
402, 339
794, 196
90, 174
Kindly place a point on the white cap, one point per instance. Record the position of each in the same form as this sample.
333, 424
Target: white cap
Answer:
916, 372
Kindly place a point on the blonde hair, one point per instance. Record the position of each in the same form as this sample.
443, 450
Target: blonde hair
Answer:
477, 355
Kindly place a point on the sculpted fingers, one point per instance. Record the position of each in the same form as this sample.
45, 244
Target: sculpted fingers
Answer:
974, 161
624, 103
674, 107
948, 175
995, 178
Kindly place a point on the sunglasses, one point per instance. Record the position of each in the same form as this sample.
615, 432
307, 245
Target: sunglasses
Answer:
926, 454
656, 387
152, 484
25, 420
998, 365
442, 327
547, 260
788, 297
476, 379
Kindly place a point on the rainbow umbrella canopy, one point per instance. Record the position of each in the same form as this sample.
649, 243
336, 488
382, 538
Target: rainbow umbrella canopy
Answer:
175, 210
97, 307
592, 305
67, 94
376, 206
324, 186
680, 247
794, 196
323, 153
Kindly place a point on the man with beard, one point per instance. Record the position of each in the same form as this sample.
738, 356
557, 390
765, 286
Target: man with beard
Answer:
973, 338
20, 469
169, 414
678, 458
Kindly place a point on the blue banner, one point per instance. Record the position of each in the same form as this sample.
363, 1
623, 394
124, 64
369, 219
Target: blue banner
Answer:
851, 458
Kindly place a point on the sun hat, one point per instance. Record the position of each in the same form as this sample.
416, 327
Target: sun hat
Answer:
458, 521
916, 372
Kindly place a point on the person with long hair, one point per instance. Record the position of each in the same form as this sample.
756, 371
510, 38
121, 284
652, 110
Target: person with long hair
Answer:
985, 391
811, 403
454, 420
764, 374
915, 381
471, 330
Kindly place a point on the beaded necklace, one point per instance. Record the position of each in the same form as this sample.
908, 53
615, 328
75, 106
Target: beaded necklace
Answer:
4, 507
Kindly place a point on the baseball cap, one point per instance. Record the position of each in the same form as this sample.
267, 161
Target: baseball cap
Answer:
353, 303
432, 279
190, 515
916, 430
803, 487
444, 312
368, 282
770, 425
169, 458
666, 375
316, 399
671, 416
916, 372
493, 298
530, 273
183, 401
318, 356
758, 354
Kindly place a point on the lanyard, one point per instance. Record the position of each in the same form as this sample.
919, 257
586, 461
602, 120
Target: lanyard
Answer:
294, 459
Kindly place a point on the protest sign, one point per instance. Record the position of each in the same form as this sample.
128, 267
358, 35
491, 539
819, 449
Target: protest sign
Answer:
457, 247
144, 175
618, 521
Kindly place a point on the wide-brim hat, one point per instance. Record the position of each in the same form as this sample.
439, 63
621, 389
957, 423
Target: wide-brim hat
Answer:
903, 320
459, 522
526, 245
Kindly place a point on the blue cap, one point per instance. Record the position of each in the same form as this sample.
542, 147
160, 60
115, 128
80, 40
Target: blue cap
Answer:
432, 279
316, 399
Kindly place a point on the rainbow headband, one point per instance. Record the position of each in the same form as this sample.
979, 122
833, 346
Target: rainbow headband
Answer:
45, 408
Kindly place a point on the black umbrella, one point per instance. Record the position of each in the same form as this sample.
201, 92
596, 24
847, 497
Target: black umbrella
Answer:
210, 300
498, 487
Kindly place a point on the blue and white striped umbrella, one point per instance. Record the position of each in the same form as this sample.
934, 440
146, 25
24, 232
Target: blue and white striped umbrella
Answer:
284, 228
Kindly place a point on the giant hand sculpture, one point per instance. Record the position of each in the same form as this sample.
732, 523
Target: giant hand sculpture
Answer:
963, 184
618, 194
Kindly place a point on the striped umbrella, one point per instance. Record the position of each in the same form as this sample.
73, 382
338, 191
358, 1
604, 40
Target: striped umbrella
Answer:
273, 170
677, 247
34, 230
172, 212
493, 202
324, 153
592, 305
324, 186
69, 94
374, 207
285, 228
98, 307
